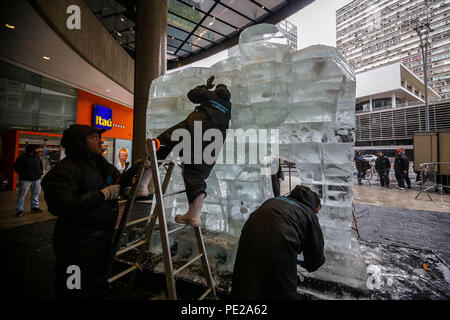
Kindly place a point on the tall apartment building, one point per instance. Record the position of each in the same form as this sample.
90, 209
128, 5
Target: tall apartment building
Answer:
287, 29
374, 33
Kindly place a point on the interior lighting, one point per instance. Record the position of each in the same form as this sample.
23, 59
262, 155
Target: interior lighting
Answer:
10, 26
46, 58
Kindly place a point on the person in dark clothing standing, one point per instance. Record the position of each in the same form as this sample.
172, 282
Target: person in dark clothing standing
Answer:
213, 112
276, 179
401, 167
272, 237
80, 191
362, 166
382, 166
30, 169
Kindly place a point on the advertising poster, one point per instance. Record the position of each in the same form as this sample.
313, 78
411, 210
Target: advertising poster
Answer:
122, 153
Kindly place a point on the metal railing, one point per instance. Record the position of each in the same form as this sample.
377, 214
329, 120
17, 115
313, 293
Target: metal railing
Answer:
430, 172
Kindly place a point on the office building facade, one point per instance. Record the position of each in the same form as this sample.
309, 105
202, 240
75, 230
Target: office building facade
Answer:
374, 33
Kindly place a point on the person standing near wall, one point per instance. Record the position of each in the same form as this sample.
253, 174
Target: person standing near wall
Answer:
382, 166
361, 165
401, 167
30, 169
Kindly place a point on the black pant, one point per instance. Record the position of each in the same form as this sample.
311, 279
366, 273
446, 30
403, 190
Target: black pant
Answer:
401, 178
384, 178
92, 260
361, 175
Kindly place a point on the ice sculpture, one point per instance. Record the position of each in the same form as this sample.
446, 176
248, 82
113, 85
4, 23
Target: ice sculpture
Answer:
308, 97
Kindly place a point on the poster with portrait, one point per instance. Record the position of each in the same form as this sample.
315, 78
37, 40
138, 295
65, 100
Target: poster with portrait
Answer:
122, 153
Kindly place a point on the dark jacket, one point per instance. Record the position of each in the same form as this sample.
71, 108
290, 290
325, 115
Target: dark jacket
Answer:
72, 191
215, 104
28, 167
382, 164
360, 163
401, 163
272, 237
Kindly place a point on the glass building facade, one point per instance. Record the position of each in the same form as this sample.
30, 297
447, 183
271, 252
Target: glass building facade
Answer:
29, 101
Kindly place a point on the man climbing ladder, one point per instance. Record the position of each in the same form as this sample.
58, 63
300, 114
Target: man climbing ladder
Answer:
214, 112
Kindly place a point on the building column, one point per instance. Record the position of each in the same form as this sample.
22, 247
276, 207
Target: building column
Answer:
393, 100
370, 104
150, 63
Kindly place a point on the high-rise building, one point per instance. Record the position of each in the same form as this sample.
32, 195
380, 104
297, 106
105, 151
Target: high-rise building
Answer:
287, 29
374, 33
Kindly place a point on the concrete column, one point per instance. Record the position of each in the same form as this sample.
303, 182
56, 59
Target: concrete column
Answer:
151, 40
370, 104
393, 100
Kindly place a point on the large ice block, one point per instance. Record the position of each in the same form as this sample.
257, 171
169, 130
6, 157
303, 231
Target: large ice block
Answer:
309, 97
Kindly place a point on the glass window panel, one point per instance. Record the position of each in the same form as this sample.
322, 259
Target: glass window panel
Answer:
229, 16
189, 47
218, 26
173, 42
30, 101
182, 53
247, 8
171, 49
272, 5
200, 42
180, 22
185, 11
171, 57
177, 33
203, 5
208, 34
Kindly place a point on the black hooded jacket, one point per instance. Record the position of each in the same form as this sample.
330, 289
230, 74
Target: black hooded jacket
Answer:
72, 191
29, 167
215, 104
382, 164
272, 237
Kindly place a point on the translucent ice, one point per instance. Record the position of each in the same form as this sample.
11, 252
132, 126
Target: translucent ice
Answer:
309, 97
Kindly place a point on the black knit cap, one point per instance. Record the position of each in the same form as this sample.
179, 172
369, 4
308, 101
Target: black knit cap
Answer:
74, 139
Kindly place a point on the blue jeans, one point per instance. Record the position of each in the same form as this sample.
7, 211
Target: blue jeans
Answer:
24, 185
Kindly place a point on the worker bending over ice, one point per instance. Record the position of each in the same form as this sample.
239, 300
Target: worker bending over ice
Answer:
272, 237
214, 112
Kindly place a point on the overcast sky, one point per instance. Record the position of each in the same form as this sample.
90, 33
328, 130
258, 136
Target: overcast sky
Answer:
316, 24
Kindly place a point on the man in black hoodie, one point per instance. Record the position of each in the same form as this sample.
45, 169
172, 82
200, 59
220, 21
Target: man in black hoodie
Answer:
30, 169
272, 237
213, 112
80, 190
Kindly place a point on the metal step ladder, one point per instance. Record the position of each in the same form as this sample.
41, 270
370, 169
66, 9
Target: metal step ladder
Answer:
158, 214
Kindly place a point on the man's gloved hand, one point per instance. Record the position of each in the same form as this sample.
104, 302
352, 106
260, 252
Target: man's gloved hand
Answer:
209, 82
111, 192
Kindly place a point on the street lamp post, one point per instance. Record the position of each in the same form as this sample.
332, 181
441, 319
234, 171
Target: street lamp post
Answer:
424, 30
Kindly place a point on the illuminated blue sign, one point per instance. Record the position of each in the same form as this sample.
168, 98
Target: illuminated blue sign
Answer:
102, 117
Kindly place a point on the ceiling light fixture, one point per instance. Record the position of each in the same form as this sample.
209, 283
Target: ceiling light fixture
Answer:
122, 19
46, 58
10, 26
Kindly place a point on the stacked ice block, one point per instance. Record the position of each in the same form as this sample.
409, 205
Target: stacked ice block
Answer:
303, 99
